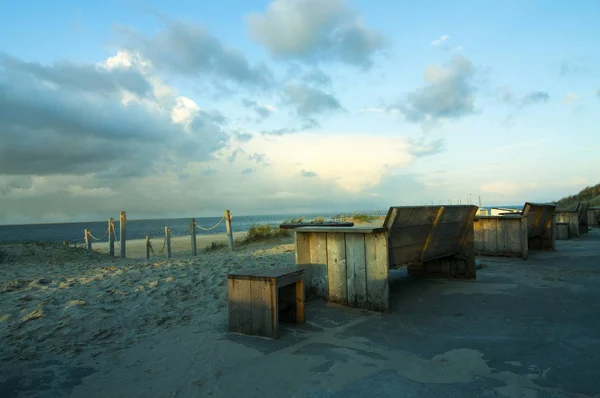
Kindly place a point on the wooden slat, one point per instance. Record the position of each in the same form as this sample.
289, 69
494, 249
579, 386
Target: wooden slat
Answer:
318, 263
336, 268
262, 323
434, 226
503, 235
348, 230
244, 300
300, 302
303, 256
377, 270
356, 270
233, 306
478, 225
490, 240
524, 238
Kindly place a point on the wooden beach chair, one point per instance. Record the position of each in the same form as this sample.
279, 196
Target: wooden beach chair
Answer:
350, 266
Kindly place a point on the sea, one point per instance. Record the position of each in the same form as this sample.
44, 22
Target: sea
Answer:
73, 232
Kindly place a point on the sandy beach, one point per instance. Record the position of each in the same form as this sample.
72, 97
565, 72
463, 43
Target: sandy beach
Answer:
181, 246
75, 323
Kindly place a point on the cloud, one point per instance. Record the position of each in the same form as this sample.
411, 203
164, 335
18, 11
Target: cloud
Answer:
570, 98
241, 136
259, 158
55, 121
231, 158
502, 188
247, 171
317, 77
209, 171
262, 110
190, 50
598, 93
441, 41
507, 96
575, 68
449, 95
422, 147
278, 132
309, 101
313, 31
534, 97
307, 173
84, 77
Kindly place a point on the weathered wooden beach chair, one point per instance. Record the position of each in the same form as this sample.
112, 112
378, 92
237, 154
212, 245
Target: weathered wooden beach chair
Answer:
515, 233
582, 212
576, 218
350, 266
594, 216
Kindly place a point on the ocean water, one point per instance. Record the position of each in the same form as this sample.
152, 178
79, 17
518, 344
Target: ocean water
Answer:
136, 229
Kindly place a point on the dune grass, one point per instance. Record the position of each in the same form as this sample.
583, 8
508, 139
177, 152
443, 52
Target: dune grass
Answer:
363, 218
588, 194
266, 232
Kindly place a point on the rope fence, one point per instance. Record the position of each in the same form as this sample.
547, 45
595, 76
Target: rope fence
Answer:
166, 241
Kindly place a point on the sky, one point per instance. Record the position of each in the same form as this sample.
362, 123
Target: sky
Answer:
178, 109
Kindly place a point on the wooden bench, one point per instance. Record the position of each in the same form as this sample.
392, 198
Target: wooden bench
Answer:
582, 212
561, 230
501, 236
260, 298
350, 266
570, 217
594, 216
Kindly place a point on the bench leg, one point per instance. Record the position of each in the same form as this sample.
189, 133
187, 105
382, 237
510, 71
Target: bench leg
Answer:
300, 301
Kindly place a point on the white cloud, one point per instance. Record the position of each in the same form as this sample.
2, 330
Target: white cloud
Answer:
440, 41
502, 188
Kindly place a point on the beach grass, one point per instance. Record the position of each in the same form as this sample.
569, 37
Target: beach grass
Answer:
266, 232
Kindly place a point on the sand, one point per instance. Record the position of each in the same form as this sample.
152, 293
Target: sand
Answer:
67, 301
181, 246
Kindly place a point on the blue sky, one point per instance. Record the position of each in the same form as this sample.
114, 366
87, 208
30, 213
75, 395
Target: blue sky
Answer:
293, 105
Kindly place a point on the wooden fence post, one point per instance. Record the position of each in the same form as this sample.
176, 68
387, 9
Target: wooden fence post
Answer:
228, 228
111, 236
88, 241
123, 231
147, 247
168, 238
193, 231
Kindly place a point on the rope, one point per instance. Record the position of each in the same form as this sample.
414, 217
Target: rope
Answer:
211, 228
93, 237
112, 225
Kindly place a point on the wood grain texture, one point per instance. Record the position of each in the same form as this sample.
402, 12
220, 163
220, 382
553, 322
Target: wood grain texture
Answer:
356, 270
336, 268
318, 263
377, 270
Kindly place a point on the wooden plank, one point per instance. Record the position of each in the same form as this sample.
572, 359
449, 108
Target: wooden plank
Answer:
434, 226
233, 306
490, 239
300, 302
515, 234
356, 270
318, 263
274, 310
303, 256
242, 300
503, 236
377, 270
336, 268
348, 230
478, 232
261, 308
524, 238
